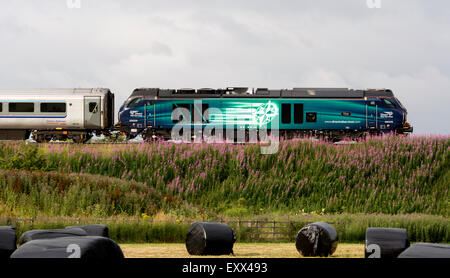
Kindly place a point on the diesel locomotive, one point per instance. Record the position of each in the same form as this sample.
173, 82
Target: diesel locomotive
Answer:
332, 113
79, 114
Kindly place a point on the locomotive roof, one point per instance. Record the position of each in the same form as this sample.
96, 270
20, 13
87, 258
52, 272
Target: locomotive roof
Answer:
53, 91
244, 92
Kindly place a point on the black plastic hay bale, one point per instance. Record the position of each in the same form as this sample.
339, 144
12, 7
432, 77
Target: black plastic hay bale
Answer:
8, 239
93, 230
427, 250
50, 234
317, 239
86, 247
385, 242
207, 238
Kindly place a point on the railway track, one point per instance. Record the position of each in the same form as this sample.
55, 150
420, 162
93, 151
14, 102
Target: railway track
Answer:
343, 142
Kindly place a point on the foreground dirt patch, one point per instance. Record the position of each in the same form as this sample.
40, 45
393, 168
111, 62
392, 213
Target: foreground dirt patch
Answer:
241, 250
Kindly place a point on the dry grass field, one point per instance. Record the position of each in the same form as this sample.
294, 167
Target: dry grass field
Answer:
241, 250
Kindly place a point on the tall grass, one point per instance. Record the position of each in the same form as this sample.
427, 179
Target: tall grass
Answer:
53, 194
392, 175
350, 228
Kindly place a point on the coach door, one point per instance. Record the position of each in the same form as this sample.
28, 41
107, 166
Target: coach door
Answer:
92, 112
371, 113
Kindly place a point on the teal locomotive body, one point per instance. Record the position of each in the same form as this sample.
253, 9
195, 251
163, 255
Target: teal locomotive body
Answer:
330, 112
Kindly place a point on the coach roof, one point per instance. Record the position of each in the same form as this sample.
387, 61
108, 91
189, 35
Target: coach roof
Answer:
52, 91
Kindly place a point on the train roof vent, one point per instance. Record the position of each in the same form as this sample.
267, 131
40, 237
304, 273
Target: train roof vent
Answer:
378, 93
186, 91
262, 91
321, 93
239, 91
145, 92
206, 91
166, 92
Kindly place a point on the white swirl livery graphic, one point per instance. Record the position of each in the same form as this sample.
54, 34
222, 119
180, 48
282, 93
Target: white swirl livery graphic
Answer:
265, 113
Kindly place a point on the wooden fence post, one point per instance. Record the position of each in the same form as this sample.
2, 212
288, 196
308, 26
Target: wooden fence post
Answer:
273, 230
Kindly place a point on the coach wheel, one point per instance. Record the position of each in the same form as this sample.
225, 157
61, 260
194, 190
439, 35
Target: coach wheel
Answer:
81, 138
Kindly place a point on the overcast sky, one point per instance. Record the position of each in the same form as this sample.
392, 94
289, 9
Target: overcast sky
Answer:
404, 45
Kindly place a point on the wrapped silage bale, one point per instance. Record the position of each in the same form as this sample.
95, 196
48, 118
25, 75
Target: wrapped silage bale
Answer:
317, 239
208, 238
8, 239
93, 229
50, 234
426, 250
83, 247
385, 242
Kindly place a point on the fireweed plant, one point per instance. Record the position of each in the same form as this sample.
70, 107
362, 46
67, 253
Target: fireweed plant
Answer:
389, 174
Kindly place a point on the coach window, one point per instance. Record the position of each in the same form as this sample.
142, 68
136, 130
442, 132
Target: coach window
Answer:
93, 107
311, 117
53, 107
1, 107
286, 113
21, 107
298, 113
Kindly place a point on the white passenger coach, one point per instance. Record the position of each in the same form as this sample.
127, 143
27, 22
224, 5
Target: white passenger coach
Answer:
55, 114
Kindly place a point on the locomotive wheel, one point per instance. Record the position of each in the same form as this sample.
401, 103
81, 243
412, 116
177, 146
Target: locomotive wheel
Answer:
42, 139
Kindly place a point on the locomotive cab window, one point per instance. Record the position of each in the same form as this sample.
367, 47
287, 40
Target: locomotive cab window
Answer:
134, 102
21, 107
51, 107
93, 107
311, 117
286, 113
388, 103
